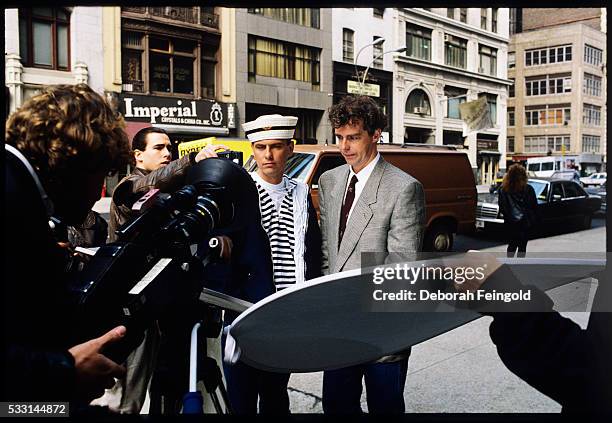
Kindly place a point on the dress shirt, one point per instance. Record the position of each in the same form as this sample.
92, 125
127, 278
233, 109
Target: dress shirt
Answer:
362, 178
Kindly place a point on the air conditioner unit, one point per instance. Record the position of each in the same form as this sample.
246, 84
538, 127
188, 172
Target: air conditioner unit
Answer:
128, 87
419, 110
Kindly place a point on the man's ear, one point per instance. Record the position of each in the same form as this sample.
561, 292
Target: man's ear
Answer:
137, 154
377, 135
291, 146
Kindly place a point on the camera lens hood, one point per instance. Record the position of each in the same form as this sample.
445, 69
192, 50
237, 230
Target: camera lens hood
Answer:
239, 193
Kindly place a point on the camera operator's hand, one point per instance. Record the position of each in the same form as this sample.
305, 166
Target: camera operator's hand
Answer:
225, 247
94, 371
209, 151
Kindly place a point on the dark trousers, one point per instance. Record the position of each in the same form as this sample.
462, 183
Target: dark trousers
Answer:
245, 384
384, 387
518, 235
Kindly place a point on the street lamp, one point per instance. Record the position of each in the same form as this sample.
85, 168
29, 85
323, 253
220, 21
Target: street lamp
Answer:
375, 42
396, 50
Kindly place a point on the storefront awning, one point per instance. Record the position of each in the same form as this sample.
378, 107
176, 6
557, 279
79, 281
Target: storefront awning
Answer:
490, 152
132, 127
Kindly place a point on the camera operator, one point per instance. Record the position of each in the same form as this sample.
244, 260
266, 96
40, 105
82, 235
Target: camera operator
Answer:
154, 169
59, 147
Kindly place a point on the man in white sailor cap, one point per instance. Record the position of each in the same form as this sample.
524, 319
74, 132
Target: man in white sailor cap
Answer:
290, 221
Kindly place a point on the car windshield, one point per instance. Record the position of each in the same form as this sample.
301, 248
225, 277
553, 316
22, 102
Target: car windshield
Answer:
540, 189
298, 166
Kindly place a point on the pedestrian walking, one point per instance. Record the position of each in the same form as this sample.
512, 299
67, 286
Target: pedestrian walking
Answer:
518, 204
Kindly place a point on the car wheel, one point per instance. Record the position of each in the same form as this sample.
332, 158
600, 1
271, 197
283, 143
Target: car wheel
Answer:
587, 220
439, 238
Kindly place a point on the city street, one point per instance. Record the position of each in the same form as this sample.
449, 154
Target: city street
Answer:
460, 371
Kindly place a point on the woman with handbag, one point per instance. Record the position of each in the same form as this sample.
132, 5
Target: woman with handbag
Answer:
518, 204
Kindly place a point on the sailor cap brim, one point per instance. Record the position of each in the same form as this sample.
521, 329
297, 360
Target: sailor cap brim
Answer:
270, 127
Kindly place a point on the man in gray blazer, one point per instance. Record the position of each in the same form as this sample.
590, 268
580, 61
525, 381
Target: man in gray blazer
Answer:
367, 205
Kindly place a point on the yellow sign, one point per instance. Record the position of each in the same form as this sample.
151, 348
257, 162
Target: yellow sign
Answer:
354, 87
234, 145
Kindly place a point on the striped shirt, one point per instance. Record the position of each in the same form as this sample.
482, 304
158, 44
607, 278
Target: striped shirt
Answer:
278, 224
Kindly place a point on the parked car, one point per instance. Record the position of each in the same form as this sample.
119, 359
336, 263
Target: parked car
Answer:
446, 175
559, 202
595, 179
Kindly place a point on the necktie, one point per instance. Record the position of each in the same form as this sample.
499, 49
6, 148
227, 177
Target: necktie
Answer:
346, 208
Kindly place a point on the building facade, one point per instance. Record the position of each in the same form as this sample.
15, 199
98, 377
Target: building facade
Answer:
51, 45
171, 72
284, 66
452, 55
558, 102
363, 45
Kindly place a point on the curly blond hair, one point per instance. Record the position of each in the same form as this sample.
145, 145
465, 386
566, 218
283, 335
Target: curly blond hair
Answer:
67, 129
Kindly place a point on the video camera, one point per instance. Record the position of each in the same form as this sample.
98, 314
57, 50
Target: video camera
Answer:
152, 270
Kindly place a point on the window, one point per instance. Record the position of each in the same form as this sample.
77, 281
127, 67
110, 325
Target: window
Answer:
511, 60
543, 144
377, 53
378, 11
516, 24
347, 45
492, 102
591, 115
488, 60
44, 37
548, 55
591, 85
450, 12
284, 60
463, 14
418, 42
510, 145
209, 63
572, 190
592, 55
511, 89
547, 115
535, 145
591, 144
173, 65
550, 84
494, 20
299, 16
455, 51
455, 96
510, 116
418, 103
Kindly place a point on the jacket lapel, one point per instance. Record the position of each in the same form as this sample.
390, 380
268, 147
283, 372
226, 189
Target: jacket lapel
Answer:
360, 217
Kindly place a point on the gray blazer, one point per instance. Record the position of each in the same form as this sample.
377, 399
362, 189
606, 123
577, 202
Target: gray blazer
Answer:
389, 216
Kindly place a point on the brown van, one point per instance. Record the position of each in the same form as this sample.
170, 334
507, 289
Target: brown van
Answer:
446, 175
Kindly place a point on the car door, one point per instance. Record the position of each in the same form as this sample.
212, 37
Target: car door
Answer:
574, 201
555, 208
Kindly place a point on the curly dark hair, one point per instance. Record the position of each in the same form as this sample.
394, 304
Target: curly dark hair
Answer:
516, 179
68, 128
352, 109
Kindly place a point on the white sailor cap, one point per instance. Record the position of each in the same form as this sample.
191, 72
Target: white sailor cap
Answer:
270, 127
